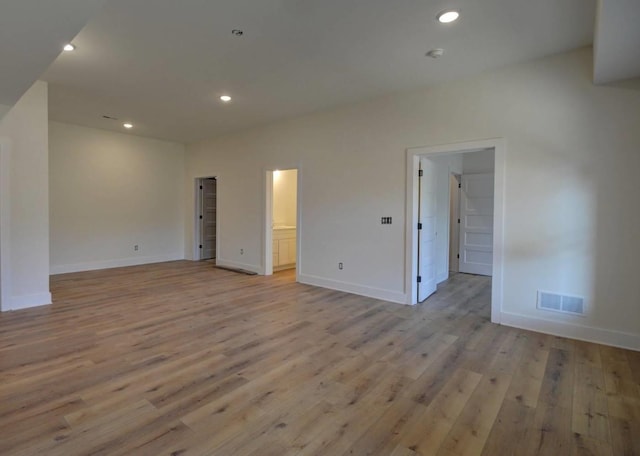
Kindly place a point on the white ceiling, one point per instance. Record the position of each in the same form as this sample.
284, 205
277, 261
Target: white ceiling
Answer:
617, 41
32, 34
162, 64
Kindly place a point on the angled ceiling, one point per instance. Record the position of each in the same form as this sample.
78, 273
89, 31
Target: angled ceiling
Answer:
32, 34
617, 41
162, 64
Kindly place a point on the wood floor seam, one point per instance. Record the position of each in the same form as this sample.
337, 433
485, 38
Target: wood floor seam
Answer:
182, 358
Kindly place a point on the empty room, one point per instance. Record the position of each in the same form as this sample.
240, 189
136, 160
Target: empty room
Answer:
296, 227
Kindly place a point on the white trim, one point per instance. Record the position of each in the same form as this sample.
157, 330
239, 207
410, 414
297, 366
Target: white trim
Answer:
116, 263
237, 265
572, 330
196, 218
411, 235
268, 222
5, 218
347, 287
28, 301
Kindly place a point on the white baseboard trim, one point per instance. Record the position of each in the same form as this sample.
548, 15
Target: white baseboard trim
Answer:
27, 301
572, 331
370, 292
238, 265
117, 263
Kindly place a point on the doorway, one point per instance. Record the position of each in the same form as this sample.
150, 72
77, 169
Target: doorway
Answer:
455, 184
207, 218
416, 157
281, 221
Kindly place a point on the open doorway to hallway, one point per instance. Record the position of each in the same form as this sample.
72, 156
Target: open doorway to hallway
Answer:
455, 217
206, 218
281, 224
455, 197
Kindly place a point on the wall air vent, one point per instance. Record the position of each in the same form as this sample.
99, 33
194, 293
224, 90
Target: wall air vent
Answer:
561, 303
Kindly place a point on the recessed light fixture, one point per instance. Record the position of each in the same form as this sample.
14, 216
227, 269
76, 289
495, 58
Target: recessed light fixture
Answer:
237, 32
225, 98
435, 53
128, 126
448, 16
69, 47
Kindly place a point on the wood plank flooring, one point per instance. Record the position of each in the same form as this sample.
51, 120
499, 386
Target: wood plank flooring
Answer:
181, 359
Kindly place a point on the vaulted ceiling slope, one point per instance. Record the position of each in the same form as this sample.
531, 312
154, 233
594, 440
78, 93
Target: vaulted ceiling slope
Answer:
163, 64
32, 34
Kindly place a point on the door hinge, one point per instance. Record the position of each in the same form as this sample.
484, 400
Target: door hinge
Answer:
420, 173
458, 220
419, 279
419, 226
459, 185
200, 245
201, 187
200, 217
458, 256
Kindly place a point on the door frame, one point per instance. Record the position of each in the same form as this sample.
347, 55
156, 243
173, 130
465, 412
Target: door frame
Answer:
197, 252
5, 219
267, 227
454, 226
411, 235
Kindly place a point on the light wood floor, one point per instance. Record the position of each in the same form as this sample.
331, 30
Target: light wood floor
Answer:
183, 359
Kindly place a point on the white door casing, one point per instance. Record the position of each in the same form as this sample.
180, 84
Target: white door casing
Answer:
427, 233
476, 224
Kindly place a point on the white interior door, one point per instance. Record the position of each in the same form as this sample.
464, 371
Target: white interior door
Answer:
427, 230
476, 224
208, 223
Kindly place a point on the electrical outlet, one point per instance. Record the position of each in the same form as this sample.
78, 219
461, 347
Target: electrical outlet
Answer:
241, 251
340, 266
135, 247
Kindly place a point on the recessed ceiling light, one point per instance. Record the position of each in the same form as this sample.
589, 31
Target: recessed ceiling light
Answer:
69, 47
128, 126
435, 53
225, 98
448, 16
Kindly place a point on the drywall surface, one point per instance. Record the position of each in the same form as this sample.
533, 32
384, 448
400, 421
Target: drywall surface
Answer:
284, 197
4, 109
482, 162
25, 232
110, 192
571, 164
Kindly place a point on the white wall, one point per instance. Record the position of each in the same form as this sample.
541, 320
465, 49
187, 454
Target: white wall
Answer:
25, 202
109, 192
4, 109
571, 165
284, 197
480, 162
